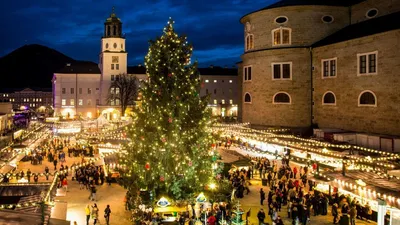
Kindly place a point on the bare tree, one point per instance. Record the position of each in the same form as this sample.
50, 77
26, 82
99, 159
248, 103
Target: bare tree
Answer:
123, 91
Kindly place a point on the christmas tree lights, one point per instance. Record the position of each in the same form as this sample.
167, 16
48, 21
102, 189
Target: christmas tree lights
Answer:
171, 131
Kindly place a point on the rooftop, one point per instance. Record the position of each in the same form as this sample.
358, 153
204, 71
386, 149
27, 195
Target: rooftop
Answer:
362, 29
284, 3
82, 67
207, 71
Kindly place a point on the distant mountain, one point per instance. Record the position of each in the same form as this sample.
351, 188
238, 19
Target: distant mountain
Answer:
31, 66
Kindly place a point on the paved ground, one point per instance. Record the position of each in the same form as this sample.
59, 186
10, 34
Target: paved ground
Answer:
113, 195
253, 201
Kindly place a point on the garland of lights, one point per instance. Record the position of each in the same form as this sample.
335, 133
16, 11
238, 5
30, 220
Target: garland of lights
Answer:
312, 142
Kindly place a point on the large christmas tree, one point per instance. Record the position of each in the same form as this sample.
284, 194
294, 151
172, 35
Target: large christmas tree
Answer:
171, 136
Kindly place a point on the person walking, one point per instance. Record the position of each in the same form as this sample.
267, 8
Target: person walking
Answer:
95, 213
353, 214
107, 213
368, 212
261, 217
262, 196
55, 164
335, 213
87, 212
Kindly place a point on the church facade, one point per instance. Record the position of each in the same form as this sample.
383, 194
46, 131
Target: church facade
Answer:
81, 88
327, 64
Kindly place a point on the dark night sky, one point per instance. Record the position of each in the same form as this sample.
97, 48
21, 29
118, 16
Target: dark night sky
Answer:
75, 27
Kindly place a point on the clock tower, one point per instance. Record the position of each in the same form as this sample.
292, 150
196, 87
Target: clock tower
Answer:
113, 57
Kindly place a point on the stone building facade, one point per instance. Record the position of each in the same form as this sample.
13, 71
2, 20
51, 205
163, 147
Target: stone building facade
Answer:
221, 84
334, 64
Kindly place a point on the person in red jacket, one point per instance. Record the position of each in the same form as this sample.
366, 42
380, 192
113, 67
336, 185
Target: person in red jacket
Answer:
294, 172
211, 220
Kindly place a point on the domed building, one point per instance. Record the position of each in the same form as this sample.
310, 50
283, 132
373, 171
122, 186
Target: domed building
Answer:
331, 63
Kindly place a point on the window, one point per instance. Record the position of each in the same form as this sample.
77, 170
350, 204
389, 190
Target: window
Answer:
207, 91
72, 91
207, 81
329, 98
112, 66
281, 36
80, 101
89, 102
230, 81
281, 19
282, 71
371, 13
89, 91
249, 42
215, 81
72, 101
223, 101
329, 68
97, 101
247, 73
112, 77
367, 98
117, 66
247, 98
117, 91
116, 101
282, 98
80, 91
215, 101
215, 91
222, 81
112, 102
64, 90
230, 101
327, 19
112, 90
63, 101
97, 90
117, 77
368, 63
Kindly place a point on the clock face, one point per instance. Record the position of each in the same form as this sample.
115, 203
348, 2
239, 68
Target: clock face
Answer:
115, 59
107, 45
115, 45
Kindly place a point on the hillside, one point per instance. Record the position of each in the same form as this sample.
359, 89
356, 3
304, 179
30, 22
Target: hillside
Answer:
31, 66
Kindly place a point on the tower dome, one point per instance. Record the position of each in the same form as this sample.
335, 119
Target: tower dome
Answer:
112, 26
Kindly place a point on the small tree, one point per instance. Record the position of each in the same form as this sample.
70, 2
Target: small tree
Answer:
123, 91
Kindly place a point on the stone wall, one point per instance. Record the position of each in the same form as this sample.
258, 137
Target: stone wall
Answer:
305, 21
384, 7
262, 88
347, 86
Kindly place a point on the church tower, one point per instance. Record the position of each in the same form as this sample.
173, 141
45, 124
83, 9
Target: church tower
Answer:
113, 57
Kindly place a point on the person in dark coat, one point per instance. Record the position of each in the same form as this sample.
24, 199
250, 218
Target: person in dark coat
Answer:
261, 217
262, 196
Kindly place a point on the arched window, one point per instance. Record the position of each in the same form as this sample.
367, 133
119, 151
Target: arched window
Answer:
249, 42
247, 98
367, 98
281, 36
282, 98
108, 30
115, 30
329, 98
